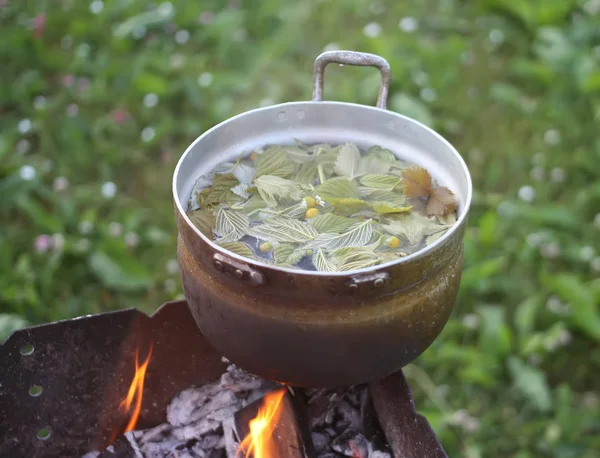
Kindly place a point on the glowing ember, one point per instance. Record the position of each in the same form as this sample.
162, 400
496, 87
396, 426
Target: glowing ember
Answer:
258, 442
136, 390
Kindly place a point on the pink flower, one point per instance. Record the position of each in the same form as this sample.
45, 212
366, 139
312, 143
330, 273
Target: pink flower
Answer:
43, 243
120, 116
39, 25
83, 84
68, 80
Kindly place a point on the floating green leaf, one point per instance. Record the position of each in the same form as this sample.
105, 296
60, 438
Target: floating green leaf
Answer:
322, 262
307, 174
221, 191
231, 225
251, 205
382, 154
240, 248
330, 222
281, 229
244, 173
380, 181
274, 162
358, 235
338, 188
372, 165
298, 154
413, 227
204, 220
348, 206
385, 208
274, 190
288, 253
348, 160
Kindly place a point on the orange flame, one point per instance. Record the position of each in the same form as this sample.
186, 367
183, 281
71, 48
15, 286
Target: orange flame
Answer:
258, 442
136, 390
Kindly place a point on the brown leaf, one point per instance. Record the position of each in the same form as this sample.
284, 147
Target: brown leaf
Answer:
416, 182
441, 201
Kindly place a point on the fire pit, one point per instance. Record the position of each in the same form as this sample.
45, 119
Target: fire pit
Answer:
71, 387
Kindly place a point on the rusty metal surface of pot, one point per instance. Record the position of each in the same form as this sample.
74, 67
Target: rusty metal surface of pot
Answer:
312, 328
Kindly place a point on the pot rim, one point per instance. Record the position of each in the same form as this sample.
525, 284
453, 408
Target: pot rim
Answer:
368, 270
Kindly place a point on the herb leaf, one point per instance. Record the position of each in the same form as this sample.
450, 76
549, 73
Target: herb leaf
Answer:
288, 253
274, 189
322, 263
441, 201
281, 229
204, 220
221, 190
330, 222
382, 154
244, 173
380, 181
357, 235
298, 154
240, 248
413, 227
275, 162
385, 208
307, 173
348, 160
337, 188
348, 206
230, 225
371, 164
416, 181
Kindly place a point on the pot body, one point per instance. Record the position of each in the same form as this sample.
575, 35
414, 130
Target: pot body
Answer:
312, 328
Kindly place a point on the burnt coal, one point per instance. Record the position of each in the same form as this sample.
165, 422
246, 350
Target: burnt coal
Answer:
201, 422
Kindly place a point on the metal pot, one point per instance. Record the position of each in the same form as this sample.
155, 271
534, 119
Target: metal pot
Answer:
312, 328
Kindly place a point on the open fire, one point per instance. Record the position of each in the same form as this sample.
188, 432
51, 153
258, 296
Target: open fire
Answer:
136, 390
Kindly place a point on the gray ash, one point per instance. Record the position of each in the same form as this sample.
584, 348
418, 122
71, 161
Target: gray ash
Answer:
200, 422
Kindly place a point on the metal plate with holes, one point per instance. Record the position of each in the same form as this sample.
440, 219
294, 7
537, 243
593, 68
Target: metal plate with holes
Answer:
61, 383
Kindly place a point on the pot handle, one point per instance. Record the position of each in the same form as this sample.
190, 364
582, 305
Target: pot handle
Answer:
352, 58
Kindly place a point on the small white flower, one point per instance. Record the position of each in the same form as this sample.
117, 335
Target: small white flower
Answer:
109, 190
96, 6
23, 146
172, 266
83, 245
132, 239
266, 102
496, 36
166, 9
72, 110
428, 94
534, 360
550, 250
538, 159
66, 42
60, 184
591, 400
558, 174
148, 134
27, 173
331, 47
150, 100
205, 79
595, 264
177, 61
587, 253
597, 220
85, 227
39, 103
372, 30
564, 337
139, 32
467, 58
473, 92
420, 78
537, 174
592, 7
182, 36
408, 24
170, 285
535, 239
470, 321
83, 51
24, 126
527, 193
554, 304
552, 137
377, 8
239, 35
115, 229
58, 242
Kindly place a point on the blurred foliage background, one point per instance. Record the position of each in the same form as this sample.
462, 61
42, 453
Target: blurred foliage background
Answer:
99, 100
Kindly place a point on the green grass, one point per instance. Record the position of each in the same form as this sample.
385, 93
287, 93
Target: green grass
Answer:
515, 88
